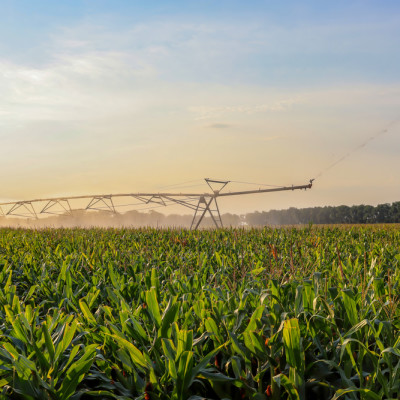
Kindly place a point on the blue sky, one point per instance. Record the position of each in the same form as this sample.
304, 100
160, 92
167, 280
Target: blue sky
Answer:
115, 96
299, 43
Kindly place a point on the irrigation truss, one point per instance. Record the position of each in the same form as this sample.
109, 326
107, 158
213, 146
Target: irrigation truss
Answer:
201, 203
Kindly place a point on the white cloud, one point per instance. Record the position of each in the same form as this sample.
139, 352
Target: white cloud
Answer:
71, 87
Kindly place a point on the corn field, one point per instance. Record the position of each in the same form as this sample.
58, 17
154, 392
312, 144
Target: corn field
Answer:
306, 313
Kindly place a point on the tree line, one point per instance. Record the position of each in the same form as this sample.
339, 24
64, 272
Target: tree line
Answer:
359, 214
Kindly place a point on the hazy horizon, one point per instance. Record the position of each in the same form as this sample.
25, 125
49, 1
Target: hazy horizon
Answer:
121, 97
158, 218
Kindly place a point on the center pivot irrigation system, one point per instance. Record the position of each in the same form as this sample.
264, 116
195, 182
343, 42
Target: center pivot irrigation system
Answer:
201, 203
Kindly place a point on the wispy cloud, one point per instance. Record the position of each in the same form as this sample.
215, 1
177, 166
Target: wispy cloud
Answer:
207, 112
218, 125
74, 87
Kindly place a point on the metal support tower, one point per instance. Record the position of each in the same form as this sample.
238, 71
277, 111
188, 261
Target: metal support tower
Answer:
205, 204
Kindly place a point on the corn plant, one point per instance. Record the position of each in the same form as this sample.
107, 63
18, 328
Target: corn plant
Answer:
289, 313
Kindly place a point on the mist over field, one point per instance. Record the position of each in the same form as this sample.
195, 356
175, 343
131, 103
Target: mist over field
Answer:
105, 219
361, 214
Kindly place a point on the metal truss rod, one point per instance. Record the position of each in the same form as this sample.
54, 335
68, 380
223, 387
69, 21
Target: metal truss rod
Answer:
27, 205
222, 183
51, 203
137, 195
184, 203
101, 199
283, 188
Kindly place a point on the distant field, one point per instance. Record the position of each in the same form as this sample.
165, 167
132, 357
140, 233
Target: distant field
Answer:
305, 313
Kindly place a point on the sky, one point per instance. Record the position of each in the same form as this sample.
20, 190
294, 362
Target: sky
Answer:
127, 96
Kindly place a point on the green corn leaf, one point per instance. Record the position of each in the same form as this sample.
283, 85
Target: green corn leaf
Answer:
214, 377
294, 355
291, 340
379, 287
49, 342
68, 335
212, 327
153, 307
74, 351
184, 373
18, 328
63, 270
31, 291
238, 348
172, 369
155, 282
248, 342
75, 374
308, 296
184, 342
367, 394
205, 360
258, 344
392, 350
112, 276
257, 271
136, 355
218, 258
350, 306
86, 312
141, 333
298, 302
255, 318
283, 381
356, 328
42, 360
236, 366
11, 349
8, 283
24, 367
169, 317
169, 349
4, 382
94, 297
